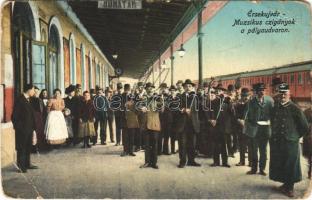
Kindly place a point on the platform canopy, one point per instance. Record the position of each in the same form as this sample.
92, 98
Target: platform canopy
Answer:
137, 35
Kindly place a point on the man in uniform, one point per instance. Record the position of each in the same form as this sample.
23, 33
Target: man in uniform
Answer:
223, 113
288, 125
188, 126
126, 141
172, 103
101, 106
258, 127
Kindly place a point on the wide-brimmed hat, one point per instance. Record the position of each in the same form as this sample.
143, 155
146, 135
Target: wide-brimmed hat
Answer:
259, 87
163, 85
149, 84
70, 89
172, 87
283, 87
188, 81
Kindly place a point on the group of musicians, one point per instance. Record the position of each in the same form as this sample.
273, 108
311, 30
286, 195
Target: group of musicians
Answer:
213, 121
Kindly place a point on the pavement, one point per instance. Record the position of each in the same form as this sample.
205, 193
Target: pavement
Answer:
100, 172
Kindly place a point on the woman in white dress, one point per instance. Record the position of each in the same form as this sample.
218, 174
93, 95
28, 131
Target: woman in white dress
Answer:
55, 127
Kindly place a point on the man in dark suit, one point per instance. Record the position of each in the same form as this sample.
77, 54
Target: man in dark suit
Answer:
188, 126
116, 106
223, 113
24, 124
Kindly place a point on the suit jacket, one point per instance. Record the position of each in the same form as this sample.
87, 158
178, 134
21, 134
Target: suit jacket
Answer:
258, 112
152, 115
189, 101
23, 121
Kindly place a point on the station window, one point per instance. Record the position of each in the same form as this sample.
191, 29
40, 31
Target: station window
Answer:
285, 78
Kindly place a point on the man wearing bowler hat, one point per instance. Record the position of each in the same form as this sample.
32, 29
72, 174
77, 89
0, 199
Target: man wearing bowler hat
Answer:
140, 98
258, 127
172, 104
163, 139
188, 126
116, 103
289, 124
221, 121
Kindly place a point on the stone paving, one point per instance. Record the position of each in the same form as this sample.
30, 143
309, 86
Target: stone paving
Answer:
99, 172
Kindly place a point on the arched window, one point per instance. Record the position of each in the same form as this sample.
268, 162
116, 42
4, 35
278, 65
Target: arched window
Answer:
90, 70
72, 55
83, 70
54, 46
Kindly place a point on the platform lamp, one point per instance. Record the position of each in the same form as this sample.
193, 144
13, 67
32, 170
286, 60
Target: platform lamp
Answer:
181, 51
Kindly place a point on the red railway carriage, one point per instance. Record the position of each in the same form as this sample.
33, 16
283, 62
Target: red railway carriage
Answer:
297, 75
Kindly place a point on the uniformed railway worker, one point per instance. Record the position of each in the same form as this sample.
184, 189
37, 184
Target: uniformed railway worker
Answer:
258, 128
288, 125
188, 126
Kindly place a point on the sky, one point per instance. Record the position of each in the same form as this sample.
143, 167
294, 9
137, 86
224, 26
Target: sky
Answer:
226, 50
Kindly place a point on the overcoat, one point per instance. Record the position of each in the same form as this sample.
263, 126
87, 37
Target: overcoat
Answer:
307, 140
288, 125
23, 121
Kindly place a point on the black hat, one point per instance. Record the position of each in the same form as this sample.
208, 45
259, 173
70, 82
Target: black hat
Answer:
212, 90
230, 88
172, 87
245, 92
179, 81
98, 88
108, 89
92, 90
78, 85
70, 89
205, 84
28, 87
220, 87
259, 87
188, 81
140, 84
127, 86
149, 84
119, 85
276, 81
163, 85
283, 87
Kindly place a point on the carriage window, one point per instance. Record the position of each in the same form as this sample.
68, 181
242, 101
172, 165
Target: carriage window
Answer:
286, 78
292, 78
300, 81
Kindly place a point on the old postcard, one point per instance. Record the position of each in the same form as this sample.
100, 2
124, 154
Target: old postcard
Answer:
156, 99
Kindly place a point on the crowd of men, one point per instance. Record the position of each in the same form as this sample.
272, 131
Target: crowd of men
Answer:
210, 120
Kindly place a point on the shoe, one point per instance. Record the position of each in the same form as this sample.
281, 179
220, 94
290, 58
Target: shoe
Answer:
89, 146
33, 167
289, 193
194, 164
132, 154
226, 165
136, 150
155, 166
181, 165
94, 143
123, 154
262, 173
146, 165
240, 164
112, 141
214, 165
251, 172
22, 171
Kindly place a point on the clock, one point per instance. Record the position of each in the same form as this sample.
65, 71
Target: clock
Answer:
118, 71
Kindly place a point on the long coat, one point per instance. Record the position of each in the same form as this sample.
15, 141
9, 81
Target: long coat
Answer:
288, 125
307, 140
23, 121
255, 112
189, 101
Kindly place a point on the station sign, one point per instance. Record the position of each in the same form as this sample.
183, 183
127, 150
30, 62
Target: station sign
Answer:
120, 4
